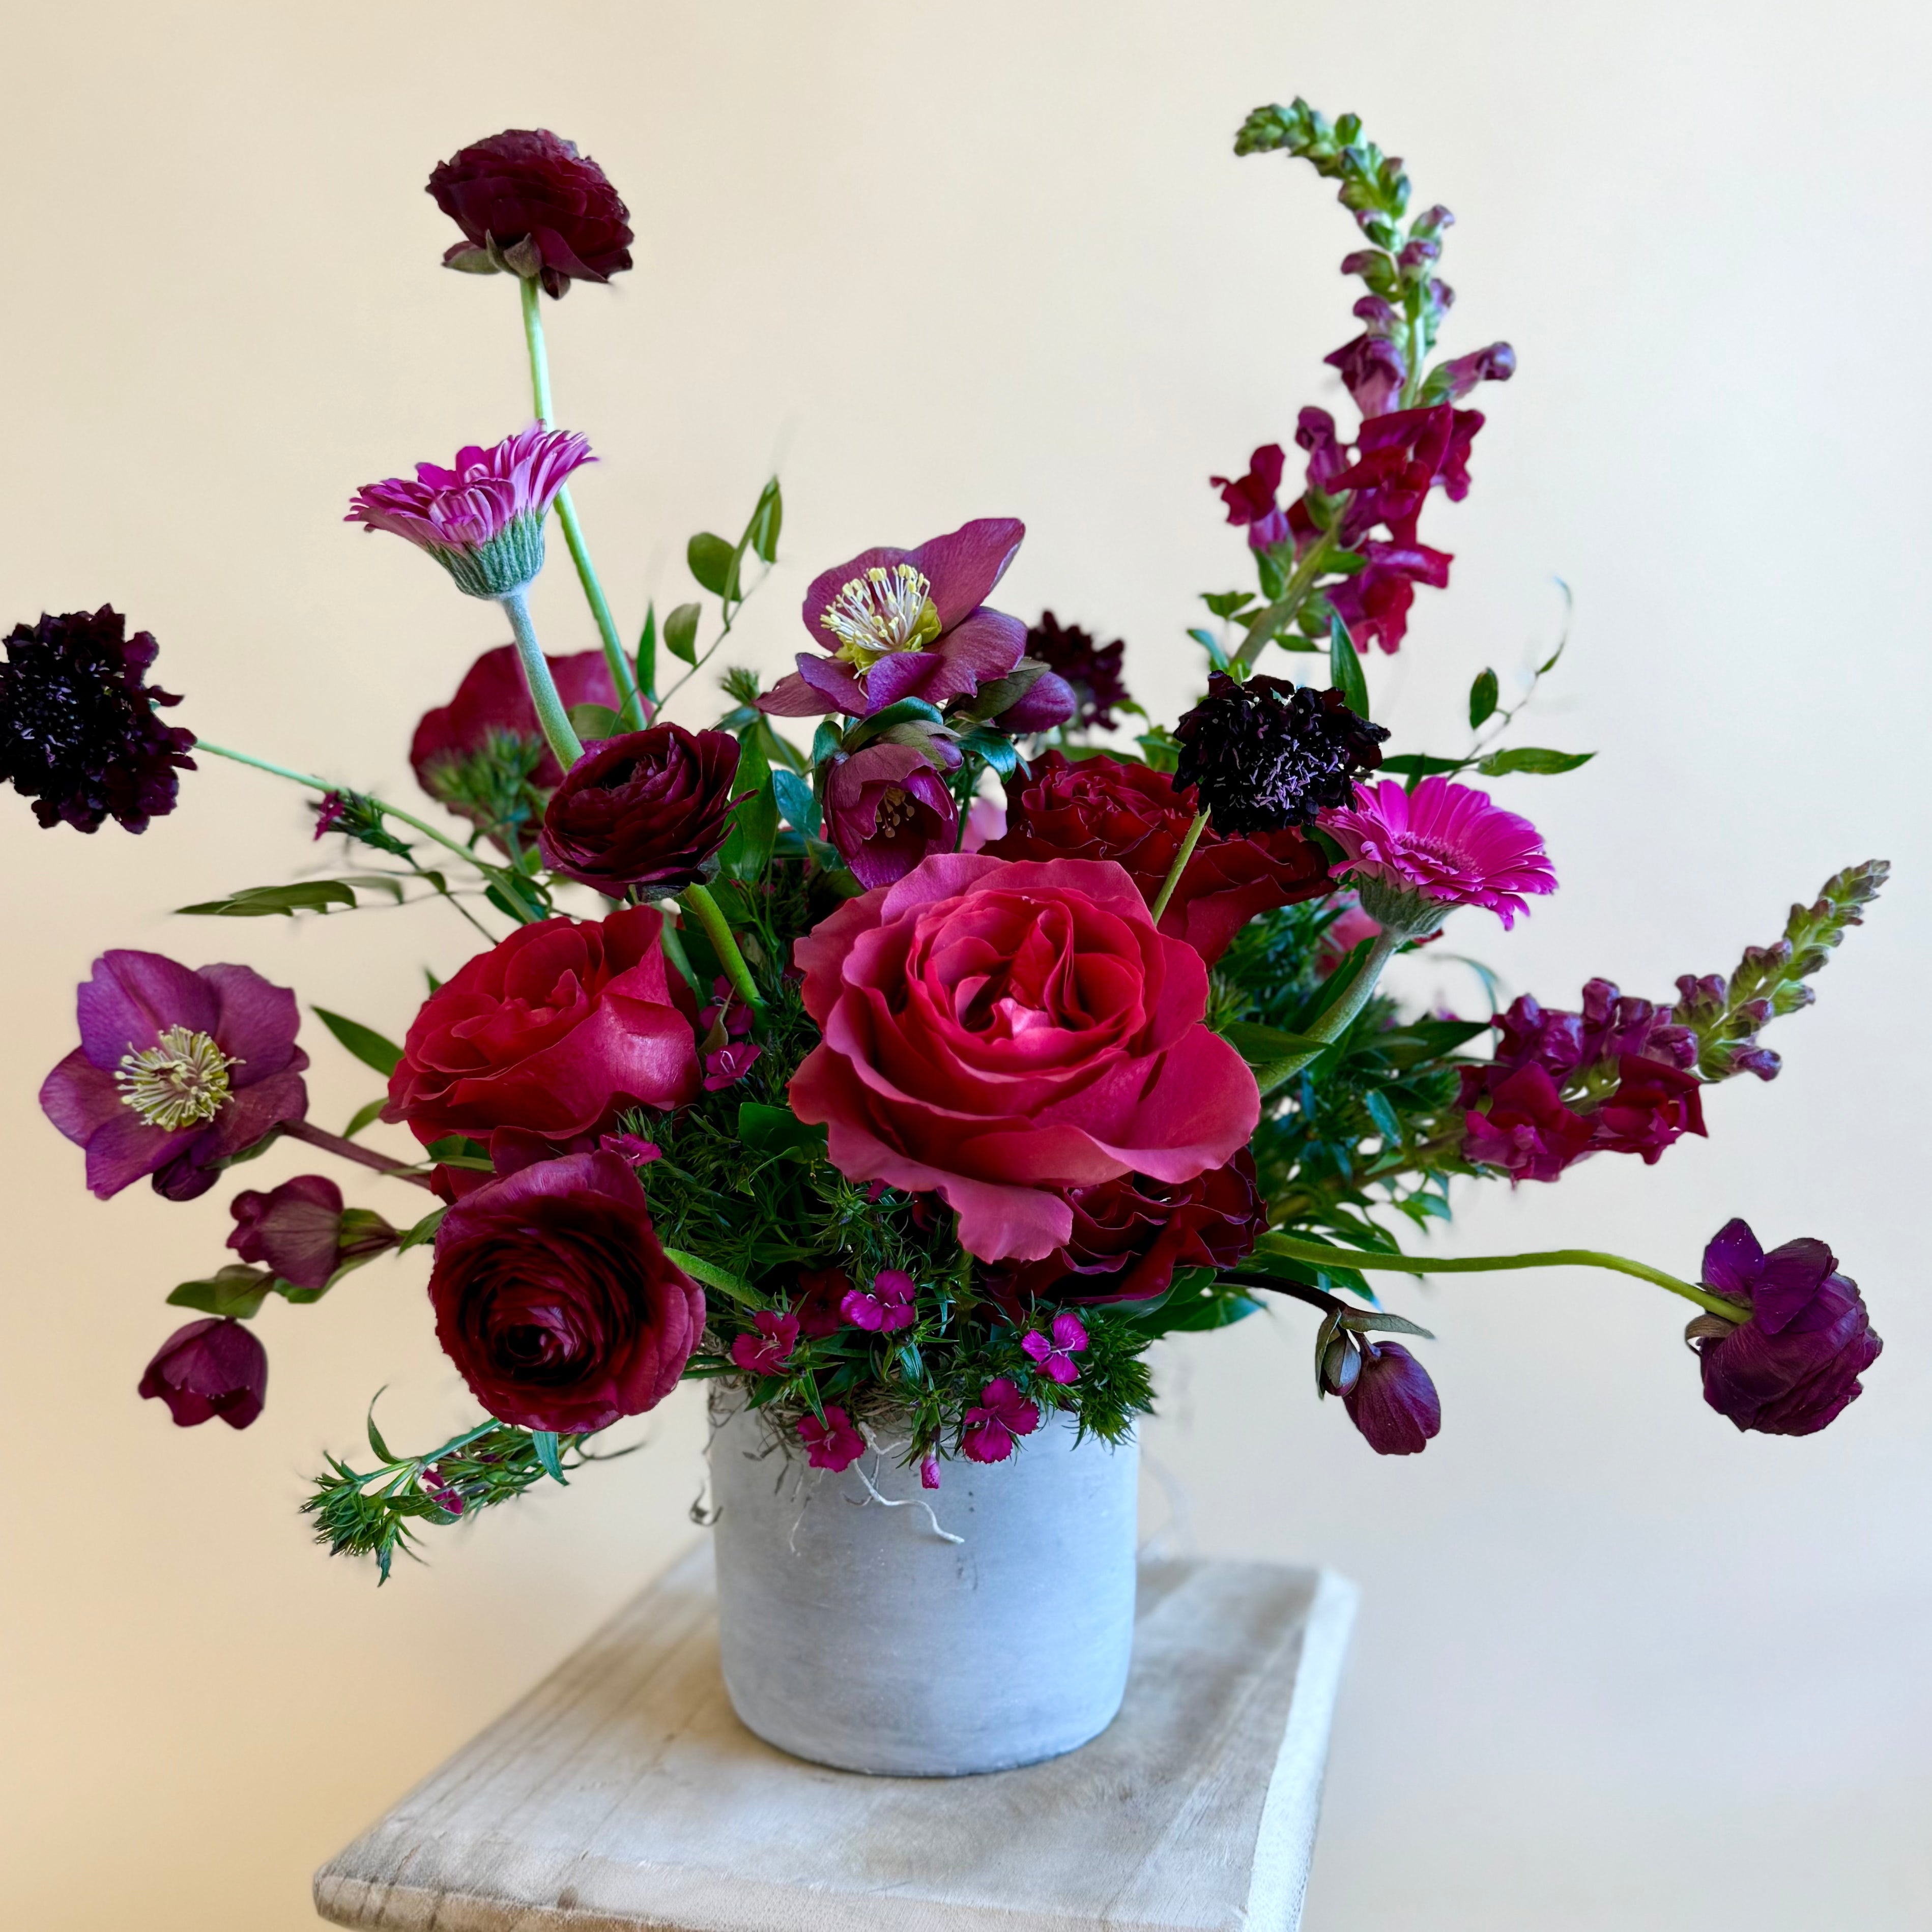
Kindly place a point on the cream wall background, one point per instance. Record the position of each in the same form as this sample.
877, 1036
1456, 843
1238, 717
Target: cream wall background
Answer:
1617, 1666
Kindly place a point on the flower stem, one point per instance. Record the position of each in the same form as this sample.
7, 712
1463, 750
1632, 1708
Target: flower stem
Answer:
1282, 612
557, 728
712, 1276
1179, 866
621, 672
697, 902
1319, 1255
1333, 1023
319, 1137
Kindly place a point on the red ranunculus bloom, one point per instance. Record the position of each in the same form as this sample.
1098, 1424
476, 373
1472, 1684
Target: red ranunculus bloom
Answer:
556, 1031
553, 1298
648, 808
1103, 809
1001, 1033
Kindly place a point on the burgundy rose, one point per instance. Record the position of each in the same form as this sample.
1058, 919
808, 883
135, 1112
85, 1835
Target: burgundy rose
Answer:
528, 202
1001, 1033
1102, 808
648, 808
211, 1367
178, 1070
487, 737
556, 1031
907, 623
555, 1301
1527, 1132
1130, 1235
887, 807
1795, 1364
296, 1230
1393, 1403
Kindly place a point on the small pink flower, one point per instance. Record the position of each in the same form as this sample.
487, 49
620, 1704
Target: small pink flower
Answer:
1002, 1413
886, 1308
928, 1472
328, 812
767, 1352
1445, 842
730, 1064
725, 1006
833, 1444
632, 1149
482, 520
444, 1496
1055, 1356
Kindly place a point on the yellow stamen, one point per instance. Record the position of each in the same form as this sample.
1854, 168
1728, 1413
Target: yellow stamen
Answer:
181, 1079
880, 614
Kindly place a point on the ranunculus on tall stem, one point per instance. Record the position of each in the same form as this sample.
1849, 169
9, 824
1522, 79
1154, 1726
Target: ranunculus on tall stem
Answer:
554, 1299
648, 808
887, 807
555, 1031
1000, 1033
178, 1070
214, 1367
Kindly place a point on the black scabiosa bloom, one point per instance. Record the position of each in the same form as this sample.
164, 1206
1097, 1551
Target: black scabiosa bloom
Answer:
78, 732
1092, 668
1266, 755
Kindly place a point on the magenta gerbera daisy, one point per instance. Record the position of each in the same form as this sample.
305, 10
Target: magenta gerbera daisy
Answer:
1417, 853
482, 520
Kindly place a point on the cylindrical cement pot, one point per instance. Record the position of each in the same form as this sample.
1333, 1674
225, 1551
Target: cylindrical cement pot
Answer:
855, 1635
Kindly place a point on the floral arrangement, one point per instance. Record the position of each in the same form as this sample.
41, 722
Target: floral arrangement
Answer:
931, 1068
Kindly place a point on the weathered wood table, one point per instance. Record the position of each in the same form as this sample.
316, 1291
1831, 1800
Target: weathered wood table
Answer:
622, 1793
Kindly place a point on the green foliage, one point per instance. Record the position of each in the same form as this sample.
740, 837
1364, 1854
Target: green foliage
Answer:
368, 1045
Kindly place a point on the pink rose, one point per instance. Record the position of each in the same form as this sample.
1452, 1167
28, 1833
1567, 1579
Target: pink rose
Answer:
1000, 1032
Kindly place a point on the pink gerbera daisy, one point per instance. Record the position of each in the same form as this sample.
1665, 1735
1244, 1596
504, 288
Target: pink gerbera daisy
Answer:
1441, 845
482, 520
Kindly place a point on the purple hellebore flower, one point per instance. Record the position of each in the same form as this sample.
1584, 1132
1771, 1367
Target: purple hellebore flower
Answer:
1050, 700
730, 1064
211, 1367
907, 623
767, 1352
294, 1230
1053, 1353
1250, 498
1001, 1413
886, 1309
833, 1444
178, 1070
1796, 1364
887, 807
482, 520
1393, 1403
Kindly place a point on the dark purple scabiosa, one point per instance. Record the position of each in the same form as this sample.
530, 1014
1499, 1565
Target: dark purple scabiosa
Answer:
529, 204
1392, 1400
1794, 1365
906, 623
178, 1070
887, 807
1093, 670
648, 808
78, 732
1266, 755
211, 1367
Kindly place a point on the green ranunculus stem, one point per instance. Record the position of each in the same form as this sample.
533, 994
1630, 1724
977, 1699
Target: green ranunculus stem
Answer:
1319, 1255
557, 728
1180, 866
621, 672
697, 900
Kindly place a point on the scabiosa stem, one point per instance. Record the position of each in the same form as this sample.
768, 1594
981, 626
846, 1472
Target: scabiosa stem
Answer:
1179, 866
557, 728
566, 514
697, 900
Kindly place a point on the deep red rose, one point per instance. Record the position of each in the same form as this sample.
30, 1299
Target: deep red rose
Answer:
556, 1031
648, 808
1002, 1032
1103, 809
1130, 1235
555, 1301
211, 1367
528, 202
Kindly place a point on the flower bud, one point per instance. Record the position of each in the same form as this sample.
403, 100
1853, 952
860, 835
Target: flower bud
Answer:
1339, 1367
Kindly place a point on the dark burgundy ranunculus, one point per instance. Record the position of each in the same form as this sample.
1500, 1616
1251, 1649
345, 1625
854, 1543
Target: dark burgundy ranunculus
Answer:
554, 1299
178, 1070
1393, 1403
555, 1031
1527, 1132
1130, 1235
297, 1230
78, 732
528, 202
648, 808
214, 1367
886, 808
488, 733
1102, 808
1795, 1364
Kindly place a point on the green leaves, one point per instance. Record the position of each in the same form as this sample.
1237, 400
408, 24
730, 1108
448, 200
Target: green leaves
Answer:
368, 1045
1482, 698
1344, 668
595, 721
234, 1290
714, 563
717, 565
796, 804
680, 632
260, 901
422, 1231
543, 1442
1532, 758
747, 850
647, 653
761, 533
1274, 1055
772, 1131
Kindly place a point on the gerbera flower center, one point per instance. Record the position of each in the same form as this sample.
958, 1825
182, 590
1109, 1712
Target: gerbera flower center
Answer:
181, 1079
881, 614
